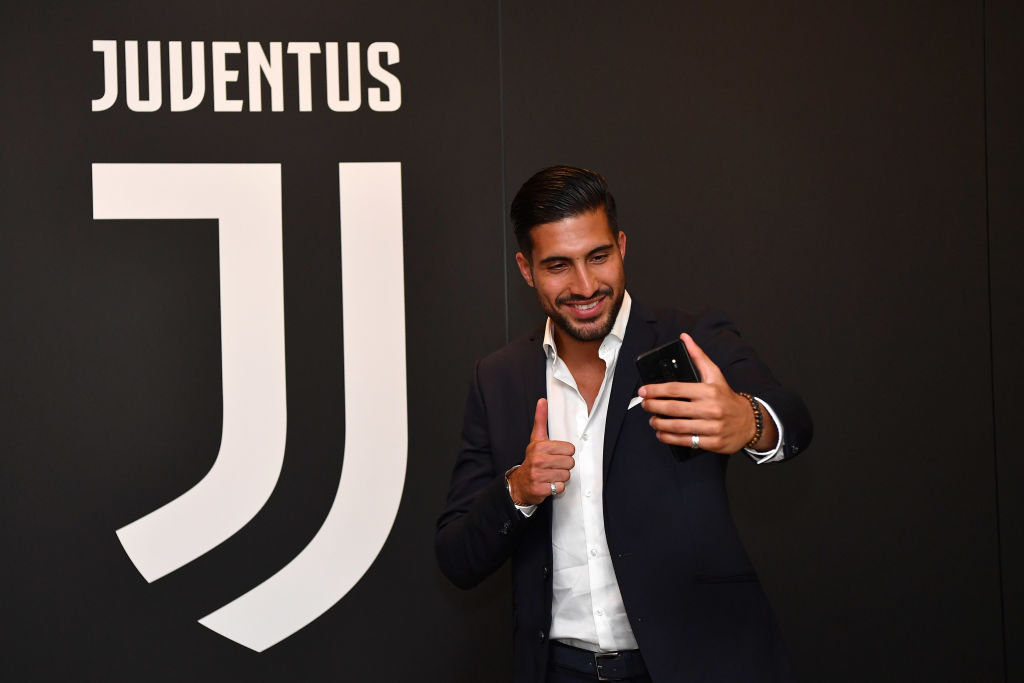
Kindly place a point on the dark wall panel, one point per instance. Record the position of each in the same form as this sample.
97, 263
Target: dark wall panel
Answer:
845, 181
112, 350
818, 171
1004, 22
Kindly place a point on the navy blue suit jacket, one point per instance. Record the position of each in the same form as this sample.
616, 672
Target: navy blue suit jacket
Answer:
691, 594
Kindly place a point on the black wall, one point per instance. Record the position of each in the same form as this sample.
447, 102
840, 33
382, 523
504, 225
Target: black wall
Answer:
1004, 74
844, 180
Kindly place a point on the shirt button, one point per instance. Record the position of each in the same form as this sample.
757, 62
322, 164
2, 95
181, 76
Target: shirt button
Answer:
585, 437
587, 493
593, 552
599, 612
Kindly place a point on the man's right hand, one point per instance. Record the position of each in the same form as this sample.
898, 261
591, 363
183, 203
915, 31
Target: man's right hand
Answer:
546, 463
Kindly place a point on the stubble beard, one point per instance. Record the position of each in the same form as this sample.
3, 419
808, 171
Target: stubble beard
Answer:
588, 333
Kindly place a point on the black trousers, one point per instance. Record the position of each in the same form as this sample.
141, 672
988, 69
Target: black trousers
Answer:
560, 675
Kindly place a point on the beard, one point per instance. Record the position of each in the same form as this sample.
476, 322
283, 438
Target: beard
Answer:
592, 330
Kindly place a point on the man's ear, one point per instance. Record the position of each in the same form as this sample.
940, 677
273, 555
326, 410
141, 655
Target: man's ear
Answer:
621, 239
525, 268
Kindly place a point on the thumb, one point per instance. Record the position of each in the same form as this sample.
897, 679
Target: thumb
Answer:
540, 422
709, 372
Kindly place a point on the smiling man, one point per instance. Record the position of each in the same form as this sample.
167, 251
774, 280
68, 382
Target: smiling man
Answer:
579, 277
626, 563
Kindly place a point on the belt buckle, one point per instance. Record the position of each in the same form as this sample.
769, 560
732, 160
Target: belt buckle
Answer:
598, 656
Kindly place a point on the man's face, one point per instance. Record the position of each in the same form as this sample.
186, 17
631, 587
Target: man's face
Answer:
576, 268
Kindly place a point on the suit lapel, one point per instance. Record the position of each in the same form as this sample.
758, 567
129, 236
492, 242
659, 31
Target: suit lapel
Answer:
641, 334
534, 378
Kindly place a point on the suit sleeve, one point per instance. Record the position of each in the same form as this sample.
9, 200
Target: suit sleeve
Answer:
480, 526
746, 372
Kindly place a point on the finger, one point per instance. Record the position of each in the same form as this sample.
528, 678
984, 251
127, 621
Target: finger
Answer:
675, 408
714, 444
709, 372
670, 408
687, 427
544, 489
554, 476
554, 448
540, 421
552, 462
690, 410
677, 390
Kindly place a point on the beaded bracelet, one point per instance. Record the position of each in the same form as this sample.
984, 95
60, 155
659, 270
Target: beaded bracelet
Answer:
758, 419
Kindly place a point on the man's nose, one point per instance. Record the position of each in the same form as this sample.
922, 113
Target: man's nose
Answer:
583, 282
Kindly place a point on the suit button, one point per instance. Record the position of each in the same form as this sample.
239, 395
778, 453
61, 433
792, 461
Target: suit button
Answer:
547, 572
505, 527
541, 635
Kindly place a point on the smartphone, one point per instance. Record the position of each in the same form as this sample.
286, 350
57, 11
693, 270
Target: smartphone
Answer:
669, 363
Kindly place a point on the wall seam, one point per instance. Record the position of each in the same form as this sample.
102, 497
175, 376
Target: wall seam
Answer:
991, 334
501, 147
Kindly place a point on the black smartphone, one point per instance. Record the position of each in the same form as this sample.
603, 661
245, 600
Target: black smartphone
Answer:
669, 363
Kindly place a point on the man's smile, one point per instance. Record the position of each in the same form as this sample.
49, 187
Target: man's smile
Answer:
587, 308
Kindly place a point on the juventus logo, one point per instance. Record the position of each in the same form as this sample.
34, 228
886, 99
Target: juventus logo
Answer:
245, 199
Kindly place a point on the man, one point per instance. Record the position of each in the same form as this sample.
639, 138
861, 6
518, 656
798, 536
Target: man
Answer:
626, 564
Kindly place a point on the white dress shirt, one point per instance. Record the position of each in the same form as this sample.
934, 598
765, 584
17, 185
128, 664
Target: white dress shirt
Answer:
587, 609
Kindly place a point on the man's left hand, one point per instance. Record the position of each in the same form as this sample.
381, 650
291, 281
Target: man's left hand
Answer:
721, 419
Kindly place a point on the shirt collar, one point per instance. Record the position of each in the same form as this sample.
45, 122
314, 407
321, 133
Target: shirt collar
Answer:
616, 335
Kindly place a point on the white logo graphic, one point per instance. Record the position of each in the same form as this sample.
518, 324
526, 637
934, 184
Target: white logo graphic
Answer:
231, 59
246, 201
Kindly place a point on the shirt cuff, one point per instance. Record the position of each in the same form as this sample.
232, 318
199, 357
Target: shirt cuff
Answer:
527, 510
775, 454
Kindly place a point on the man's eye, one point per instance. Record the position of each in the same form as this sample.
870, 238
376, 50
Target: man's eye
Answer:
556, 267
600, 258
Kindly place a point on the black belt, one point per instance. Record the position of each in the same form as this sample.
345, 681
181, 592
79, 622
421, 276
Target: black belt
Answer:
606, 666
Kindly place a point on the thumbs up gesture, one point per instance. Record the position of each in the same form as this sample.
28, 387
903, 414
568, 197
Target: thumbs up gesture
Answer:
720, 418
545, 467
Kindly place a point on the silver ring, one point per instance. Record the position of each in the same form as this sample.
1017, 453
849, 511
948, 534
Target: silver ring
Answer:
553, 491
694, 441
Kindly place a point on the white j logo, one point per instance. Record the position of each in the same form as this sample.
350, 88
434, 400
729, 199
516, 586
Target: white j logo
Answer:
246, 200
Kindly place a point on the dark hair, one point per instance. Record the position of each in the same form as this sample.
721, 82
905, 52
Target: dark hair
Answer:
556, 193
